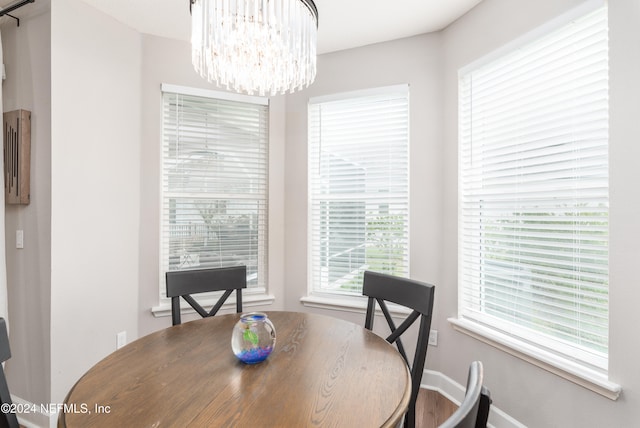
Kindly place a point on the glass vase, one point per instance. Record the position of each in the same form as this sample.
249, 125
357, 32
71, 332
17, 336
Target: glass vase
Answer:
253, 338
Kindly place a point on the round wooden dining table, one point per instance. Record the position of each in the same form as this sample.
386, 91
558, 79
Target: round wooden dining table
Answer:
323, 372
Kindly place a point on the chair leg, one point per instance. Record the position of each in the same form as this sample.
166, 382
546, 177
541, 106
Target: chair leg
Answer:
483, 408
410, 417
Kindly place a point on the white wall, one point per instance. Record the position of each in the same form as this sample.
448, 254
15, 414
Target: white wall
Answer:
95, 188
624, 36
105, 110
532, 395
169, 61
27, 57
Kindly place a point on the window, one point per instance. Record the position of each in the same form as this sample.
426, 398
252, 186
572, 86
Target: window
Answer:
533, 208
358, 187
214, 182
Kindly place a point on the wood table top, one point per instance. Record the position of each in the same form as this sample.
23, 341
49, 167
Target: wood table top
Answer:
323, 372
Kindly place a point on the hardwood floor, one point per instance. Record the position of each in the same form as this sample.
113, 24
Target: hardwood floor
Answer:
432, 409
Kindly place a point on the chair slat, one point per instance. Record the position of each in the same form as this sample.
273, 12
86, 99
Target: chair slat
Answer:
185, 283
474, 409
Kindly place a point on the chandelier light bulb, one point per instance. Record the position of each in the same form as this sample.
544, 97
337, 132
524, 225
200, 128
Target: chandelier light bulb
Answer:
255, 46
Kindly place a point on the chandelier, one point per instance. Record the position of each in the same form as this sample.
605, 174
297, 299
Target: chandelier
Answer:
255, 46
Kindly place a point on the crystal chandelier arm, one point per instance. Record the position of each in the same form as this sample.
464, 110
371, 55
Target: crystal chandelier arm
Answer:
312, 8
309, 3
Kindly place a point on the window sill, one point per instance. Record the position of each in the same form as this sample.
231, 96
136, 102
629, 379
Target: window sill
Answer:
564, 368
248, 300
357, 304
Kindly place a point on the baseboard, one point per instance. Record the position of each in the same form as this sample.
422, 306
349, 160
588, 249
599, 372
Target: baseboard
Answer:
453, 391
34, 417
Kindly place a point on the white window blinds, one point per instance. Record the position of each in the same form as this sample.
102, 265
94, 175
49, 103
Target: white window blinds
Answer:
358, 187
533, 219
214, 183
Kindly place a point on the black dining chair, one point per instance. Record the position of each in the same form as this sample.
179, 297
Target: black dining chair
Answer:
184, 283
7, 419
474, 409
411, 294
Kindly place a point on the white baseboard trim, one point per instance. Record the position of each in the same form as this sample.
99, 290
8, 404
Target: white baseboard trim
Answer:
453, 391
34, 417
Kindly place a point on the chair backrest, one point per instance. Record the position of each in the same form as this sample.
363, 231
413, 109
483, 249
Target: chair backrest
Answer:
411, 294
6, 419
184, 283
474, 409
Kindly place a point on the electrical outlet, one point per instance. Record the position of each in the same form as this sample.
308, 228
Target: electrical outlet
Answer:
433, 338
121, 339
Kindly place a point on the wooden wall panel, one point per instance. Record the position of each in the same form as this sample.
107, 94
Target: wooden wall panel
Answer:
17, 156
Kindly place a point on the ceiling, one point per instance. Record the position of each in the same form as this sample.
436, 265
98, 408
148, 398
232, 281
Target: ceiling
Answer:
343, 24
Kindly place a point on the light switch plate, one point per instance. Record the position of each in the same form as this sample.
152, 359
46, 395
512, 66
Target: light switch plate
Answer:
19, 239
121, 339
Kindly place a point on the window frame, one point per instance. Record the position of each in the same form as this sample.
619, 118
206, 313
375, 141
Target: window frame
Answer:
587, 375
352, 301
256, 295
